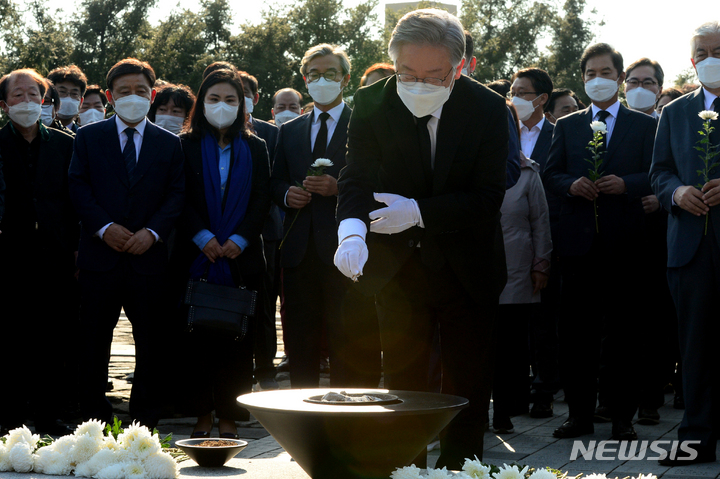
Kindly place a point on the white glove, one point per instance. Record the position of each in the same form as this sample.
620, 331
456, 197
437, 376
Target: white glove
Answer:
350, 257
401, 213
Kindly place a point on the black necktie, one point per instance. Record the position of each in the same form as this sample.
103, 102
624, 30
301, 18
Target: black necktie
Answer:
129, 153
602, 116
425, 146
321, 139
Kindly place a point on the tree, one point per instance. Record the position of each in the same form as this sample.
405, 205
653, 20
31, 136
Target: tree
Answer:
215, 15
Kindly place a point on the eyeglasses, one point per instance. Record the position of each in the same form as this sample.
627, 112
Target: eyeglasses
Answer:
329, 75
522, 95
64, 94
407, 78
646, 83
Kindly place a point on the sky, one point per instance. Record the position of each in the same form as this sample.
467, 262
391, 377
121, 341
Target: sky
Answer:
636, 29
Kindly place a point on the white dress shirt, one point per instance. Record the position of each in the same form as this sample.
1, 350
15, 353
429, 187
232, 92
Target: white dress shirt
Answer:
529, 137
610, 121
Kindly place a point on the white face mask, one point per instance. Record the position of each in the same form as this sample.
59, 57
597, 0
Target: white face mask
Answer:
91, 116
68, 107
47, 115
171, 123
525, 108
464, 71
601, 89
640, 98
249, 107
324, 92
422, 98
284, 116
25, 113
708, 72
132, 108
220, 114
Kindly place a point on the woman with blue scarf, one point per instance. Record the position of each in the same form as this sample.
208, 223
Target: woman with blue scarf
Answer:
227, 200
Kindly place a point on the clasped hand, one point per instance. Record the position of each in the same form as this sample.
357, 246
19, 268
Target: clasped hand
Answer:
123, 240
213, 251
698, 202
400, 214
585, 188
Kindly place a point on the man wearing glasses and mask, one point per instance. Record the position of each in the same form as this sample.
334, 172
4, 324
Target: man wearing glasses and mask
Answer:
419, 221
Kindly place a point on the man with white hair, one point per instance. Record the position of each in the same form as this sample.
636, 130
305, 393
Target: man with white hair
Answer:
431, 144
694, 242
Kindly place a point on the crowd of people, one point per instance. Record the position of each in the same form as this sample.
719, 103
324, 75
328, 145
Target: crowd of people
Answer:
499, 240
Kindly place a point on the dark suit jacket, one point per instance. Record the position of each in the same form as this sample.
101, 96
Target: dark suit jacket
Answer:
293, 157
621, 217
102, 194
675, 163
540, 155
195, 215
272, 231
459, 205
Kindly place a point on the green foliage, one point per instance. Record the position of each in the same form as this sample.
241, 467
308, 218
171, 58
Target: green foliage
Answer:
115, 429
686, 76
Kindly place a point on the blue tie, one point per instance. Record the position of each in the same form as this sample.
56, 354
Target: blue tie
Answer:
129, 153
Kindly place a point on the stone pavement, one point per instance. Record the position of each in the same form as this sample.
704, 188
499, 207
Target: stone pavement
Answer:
531, 444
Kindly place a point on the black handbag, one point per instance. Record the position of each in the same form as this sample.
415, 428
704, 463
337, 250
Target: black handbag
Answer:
218, 308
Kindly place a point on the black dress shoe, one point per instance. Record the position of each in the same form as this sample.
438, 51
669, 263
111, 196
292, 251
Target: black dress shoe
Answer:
682, 458
284, 366
678, 402
648, 416
502, 425
541, 410
574, 428
53, 428
623, 431
602, 414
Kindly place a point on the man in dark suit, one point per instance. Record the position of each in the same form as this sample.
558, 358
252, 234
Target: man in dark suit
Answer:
127, 185
693, 243
599, 247
37, 253
431, 144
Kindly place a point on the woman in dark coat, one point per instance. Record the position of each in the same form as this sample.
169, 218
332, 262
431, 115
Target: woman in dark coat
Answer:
227, 200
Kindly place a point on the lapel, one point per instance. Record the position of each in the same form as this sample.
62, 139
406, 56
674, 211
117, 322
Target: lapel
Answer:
304, 148
404, 132
694, 105
455, 116
542, 146
114, 152
623, 124
147, 151
339, 138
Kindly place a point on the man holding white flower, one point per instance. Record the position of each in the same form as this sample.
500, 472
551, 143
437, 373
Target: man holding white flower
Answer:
691, 198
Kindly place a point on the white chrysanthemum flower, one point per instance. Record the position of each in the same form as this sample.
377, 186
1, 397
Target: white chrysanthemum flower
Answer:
476, 469
598, 126
113, 471
161, 466
408, 472
144, 447
542, 474
93, 427
438, 474
510, 472
135, 470
324, 162
63, 445
109, 442
133, 433
50, 461
708, 115
85, 447
5, 465
462, 475
21, 457
102, 459
22, 434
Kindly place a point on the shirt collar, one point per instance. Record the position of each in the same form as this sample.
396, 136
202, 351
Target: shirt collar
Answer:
612, 109
539, 125
709, 99
335, 113
122, 126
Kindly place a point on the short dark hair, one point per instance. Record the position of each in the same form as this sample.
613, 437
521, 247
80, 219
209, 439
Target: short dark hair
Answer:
179, 95
556, 95
673, 93
70, 73
541, 81
385, 68
501, 87
602, 49
199, 124
96, 90
54, 95
469, 45
127, 67
215, 66
249, 80
283, 90
41, 82
646, 62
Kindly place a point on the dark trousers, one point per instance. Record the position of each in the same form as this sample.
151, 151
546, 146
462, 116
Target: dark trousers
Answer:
543, 338
696, 290
600, 309
417, 302
103, 295
266, 332
511, 393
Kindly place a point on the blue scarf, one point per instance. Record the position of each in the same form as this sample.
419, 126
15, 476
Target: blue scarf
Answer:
223, 223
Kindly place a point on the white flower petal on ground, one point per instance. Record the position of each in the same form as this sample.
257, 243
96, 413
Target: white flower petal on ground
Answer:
438, 474
102, 459
408, 472
113, 471
324, 162
598, 126
542, 474
161, 466
92, 427
476, 469
135, 470
708, 115
21, 434
21, 457
52, 462
85, 447
5, 465
510, 472
144, 447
